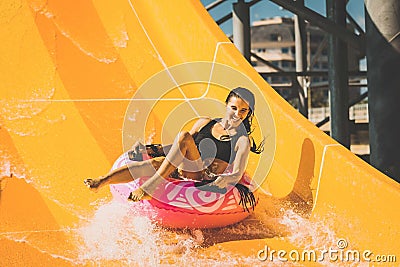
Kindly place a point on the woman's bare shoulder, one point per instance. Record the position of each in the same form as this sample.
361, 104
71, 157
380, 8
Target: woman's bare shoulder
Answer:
200, 123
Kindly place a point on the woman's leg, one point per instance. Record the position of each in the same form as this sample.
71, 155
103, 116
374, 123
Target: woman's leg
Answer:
126, 173
183, 153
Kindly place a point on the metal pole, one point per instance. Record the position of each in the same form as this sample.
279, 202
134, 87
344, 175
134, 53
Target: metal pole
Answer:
383, 58
241, 27
325, 24
338, 75
301, 60
214, 4
309, 97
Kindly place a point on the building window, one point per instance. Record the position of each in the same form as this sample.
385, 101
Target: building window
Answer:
285, 50
285, 79
315, 79
275, 37
286, 64
275, 79
316, 38
275, 63
313, 51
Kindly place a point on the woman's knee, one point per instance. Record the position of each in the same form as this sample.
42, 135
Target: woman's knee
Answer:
146, 166
185, 137
156, 162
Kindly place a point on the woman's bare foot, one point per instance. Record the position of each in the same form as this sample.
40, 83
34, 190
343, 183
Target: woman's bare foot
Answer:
138, 195
94, 184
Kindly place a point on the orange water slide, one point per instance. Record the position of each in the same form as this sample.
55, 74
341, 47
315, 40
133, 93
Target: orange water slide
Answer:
81, 80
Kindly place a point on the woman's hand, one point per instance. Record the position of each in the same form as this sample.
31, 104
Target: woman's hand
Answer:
221, 182
136, 149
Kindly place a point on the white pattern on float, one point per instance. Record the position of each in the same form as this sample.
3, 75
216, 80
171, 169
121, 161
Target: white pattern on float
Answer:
190, 197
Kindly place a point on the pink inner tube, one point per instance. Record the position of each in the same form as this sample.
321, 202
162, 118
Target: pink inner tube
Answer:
179, 204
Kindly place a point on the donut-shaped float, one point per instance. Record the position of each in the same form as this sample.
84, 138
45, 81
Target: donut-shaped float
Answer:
180, 204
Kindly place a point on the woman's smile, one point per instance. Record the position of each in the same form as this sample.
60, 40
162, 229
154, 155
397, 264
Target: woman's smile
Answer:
236, 111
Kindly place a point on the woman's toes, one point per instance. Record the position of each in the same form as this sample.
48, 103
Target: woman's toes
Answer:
138, 195
92, 184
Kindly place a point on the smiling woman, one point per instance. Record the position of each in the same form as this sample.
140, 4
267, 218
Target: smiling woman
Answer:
202, 154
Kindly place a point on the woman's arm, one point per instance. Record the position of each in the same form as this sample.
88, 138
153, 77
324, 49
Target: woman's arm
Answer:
239, 164
200, 123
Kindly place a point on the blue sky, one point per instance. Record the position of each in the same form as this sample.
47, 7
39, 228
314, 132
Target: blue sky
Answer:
268, 9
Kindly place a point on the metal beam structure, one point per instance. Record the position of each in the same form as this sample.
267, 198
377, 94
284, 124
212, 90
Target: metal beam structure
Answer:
310, 73
338, 39
224, 18
337, 75
383, 58
325, 24
352, 103
229, 15
354, 23
266, 62
318, 53
301, 60
241, 27
214, 4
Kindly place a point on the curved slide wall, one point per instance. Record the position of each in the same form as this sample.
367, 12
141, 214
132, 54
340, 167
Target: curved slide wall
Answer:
75, 79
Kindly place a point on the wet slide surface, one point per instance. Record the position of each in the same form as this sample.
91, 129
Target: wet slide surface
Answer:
80, 81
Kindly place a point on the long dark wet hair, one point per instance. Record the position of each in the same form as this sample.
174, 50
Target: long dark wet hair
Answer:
246, 95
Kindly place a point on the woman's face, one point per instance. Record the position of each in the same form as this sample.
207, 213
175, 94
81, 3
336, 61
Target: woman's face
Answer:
236, 111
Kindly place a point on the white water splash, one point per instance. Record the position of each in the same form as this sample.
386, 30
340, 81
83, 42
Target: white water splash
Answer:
28, 116
27, 107
101, 56
132, 117
117, 233
8, 169
150, 138
120, 36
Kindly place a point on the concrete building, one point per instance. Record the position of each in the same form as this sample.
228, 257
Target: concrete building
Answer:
273, 40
